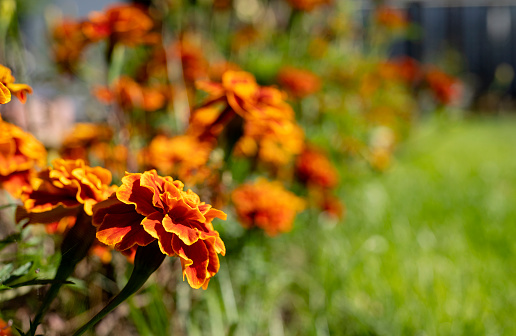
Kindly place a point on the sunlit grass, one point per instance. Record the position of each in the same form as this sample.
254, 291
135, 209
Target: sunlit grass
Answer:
433, 239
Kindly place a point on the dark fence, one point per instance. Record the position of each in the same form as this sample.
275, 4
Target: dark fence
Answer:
484, 36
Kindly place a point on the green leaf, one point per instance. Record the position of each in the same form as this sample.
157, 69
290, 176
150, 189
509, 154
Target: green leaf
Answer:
13, 238
35, 282
18, 273
5, 272
5, 206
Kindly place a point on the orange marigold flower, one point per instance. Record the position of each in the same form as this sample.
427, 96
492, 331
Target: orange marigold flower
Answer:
129, 94
445, 88
5, 328
314, 169
219, 68
8, 87
307, 5
405, 68
237, 88
20, 152
191, 54
298, 82
82, 138
273, 141
391, 18
69, 41
266, 205
244, 96
63, 188
184, 156
240, 94
128, 24
333, 206
148, 207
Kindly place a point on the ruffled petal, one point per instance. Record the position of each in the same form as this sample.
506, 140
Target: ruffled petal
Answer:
131, 192
5, 94
194, 259
153, 225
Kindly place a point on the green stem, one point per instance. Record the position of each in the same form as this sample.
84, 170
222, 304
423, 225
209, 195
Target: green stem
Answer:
74, 248
147, 260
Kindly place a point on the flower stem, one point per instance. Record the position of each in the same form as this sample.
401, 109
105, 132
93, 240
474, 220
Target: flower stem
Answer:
74, 248
147, 260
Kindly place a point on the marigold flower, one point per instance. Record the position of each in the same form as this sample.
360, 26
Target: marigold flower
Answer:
445, 88
8, 87
191, 54
266, 205
68, 43
405, 68
20, 152
307, 5
244, 96
217, 69
148, 207
127, 24
82, 138
298, 82
333, 206
184, 156
314, 169
272, 141
129, 94
391, 18
59, 191
240, 94
236, 88
5, 328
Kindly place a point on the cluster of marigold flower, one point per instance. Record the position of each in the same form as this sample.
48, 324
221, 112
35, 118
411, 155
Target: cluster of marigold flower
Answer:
148, 207
229, 117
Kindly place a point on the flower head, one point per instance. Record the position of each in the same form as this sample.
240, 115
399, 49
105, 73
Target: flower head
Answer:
5, 328
148, 207
183, 156
272, 141
82, 138
314, 168
445, 88
391, 18
129, 94
20, 152
63, 188
307, 5
266, 205
8, 87
127, 24
298, 82
68, 43
244, 96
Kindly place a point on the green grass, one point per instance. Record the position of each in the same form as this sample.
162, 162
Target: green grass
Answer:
430, 246
427, 248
